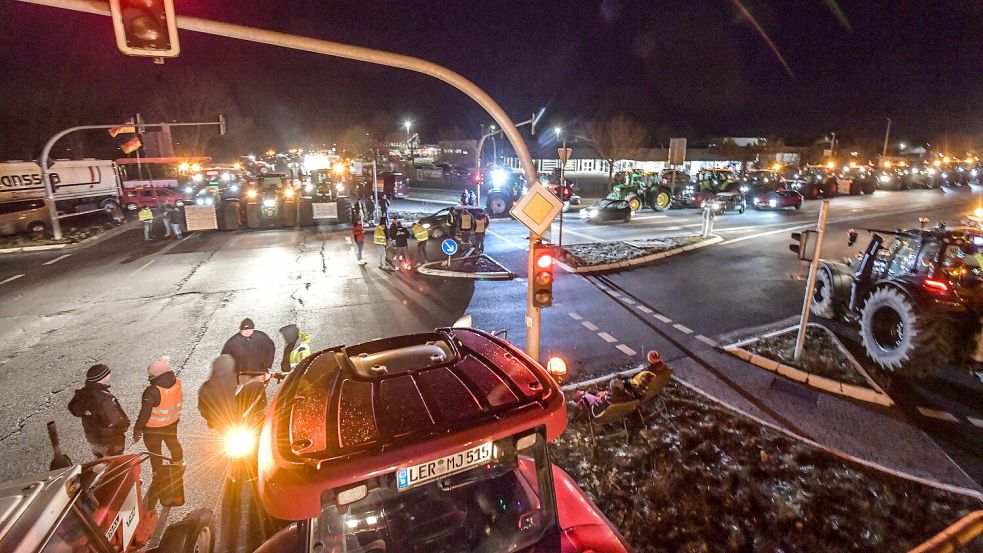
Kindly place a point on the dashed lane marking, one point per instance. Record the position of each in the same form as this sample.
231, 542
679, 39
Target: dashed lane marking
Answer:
575, 316
583, 235
629, 301
978, 423
607, 337
627, 350
11, 279
590, 326
706, 340
683, 329
644, 309
941, 415
505, 239
57, 259
662, 318
145, 265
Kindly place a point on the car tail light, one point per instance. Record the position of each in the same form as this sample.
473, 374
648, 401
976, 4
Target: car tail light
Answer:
936, 285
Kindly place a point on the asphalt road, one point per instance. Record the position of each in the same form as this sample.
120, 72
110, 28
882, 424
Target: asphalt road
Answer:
124, 302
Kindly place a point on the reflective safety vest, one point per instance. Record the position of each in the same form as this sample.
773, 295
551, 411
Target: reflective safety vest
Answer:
146, 215
467, 220
379, 236
421, 234
479, 224
299, 353
168, 411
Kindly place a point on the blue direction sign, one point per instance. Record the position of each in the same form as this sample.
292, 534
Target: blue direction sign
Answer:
448, 246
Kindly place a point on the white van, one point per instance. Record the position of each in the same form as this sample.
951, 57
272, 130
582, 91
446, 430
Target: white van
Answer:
80, 185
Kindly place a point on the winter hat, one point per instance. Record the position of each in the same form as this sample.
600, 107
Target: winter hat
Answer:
654, 357
159, 367
290, 333
246, 324
96, 373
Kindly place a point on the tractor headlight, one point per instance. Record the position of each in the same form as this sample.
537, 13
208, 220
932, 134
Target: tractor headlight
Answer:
196, 178
234, 188
745, 189
498, 177
200, 201
250, 194
209, 200
239, 441
425, 225
269, 202
188, 190
885, 178
772, 203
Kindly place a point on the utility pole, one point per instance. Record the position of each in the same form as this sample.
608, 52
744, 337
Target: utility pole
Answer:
811, 281
832, 146
887, 135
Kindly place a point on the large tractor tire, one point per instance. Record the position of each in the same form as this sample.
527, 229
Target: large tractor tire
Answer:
634, 202
829, 188
498, 205
661, 200
870, 185
824, 303
855, 188
900, 338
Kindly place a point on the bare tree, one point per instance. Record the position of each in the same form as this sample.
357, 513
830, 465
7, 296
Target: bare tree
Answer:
193, 97
615, 138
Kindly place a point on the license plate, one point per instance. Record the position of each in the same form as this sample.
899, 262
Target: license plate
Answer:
415, 475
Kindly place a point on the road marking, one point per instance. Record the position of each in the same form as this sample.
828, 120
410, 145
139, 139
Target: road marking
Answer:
500, 237
348, 239
662, 318
575, 316
706, 340
615, 294
57, 259
647, 217
629, 301
589, 326
978, 423
644, 309
682, 328
627, 350
941, 415
584, 235
145, 265
607, 337
11, 279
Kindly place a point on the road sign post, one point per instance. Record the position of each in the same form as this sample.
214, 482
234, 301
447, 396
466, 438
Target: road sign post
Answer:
811, 281
564, 153
449, 247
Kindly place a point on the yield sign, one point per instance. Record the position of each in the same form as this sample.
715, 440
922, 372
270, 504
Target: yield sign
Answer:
537, 208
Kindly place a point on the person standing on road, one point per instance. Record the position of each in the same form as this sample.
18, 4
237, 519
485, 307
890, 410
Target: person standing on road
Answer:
358, 237
116, 212
217, 396
401, 240
465, 197
160, 413
480, 226
381, 239
174, 220
166, 218
252, 349
297, 349
103, 420
147, 218
465, 222
422, 235
384, 209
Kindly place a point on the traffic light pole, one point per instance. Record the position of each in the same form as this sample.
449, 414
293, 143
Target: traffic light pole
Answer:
811, 281
49, 188
367, 55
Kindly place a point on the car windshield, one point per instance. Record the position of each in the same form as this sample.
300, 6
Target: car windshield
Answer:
496, 506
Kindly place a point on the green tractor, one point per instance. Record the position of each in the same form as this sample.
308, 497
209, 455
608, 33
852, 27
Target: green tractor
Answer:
636, 187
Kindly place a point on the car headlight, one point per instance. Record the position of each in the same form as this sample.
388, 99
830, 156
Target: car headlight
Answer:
226, 177
250, 193
745, 189
200, 201
931, 171
425, 225
269, 202
308, 187
239, 442
716, 205
591, 213
772, 203
340, 187
209, 200
179, 203
974, 172
188, 190
885, 178
234, 188
196, 178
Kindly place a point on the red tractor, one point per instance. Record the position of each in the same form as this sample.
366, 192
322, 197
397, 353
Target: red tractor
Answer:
433, 442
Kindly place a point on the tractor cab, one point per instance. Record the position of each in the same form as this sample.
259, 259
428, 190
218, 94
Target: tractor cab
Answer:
716, 180
435, 442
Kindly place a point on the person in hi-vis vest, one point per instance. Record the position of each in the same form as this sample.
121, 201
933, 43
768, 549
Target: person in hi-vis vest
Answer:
160, 413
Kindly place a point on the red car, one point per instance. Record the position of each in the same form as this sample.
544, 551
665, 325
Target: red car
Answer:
428, 442
778, 199
153, 197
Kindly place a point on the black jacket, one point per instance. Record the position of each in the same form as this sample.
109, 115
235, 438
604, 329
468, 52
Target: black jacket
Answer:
151, 398
254, 354
103, 420
216, 397
401, 236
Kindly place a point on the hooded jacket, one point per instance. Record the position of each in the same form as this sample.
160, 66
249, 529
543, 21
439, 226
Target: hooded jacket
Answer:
216, 397
254, 354
103, 419
151, 398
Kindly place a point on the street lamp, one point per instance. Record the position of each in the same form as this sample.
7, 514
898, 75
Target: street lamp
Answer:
408, 147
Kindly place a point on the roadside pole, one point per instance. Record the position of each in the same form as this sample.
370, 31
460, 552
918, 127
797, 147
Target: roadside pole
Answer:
564, 156
811, 281
375, 187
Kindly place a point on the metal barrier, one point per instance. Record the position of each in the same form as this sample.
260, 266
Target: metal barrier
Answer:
955, 537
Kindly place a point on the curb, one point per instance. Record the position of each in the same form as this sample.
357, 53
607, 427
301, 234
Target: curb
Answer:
640, 260
80, 244
968, 492
875, 395
427, 269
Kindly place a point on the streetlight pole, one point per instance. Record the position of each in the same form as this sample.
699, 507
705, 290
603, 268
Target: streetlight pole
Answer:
887, 135
563, 181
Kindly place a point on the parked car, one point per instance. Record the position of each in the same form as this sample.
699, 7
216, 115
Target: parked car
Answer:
438, 224
779, 199
728, 201
393, 185
135, 198
607, 210
27, 216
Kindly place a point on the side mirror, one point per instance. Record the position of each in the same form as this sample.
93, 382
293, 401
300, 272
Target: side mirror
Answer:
851, 237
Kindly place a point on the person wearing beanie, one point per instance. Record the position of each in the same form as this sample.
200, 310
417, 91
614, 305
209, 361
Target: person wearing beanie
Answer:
297, 348
103, 419
217, 396
160, 413
252, 349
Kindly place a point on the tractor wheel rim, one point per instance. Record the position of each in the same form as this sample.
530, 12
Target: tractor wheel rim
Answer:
662, 200
887, 328
497, 206
634, 204
819, 295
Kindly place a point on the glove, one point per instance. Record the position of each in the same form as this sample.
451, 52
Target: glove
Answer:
137, 435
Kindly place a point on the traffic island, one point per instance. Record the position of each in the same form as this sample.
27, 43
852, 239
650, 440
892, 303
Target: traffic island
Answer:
594, 257
476, 267
697, 473
71, 237
825, 363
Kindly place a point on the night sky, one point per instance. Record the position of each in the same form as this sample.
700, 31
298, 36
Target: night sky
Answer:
694, 68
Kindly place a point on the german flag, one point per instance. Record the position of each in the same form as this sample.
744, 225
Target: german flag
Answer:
131, 145
113, 132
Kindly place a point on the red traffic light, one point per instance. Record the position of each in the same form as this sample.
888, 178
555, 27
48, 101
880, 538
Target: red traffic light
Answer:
542, 277
545, 260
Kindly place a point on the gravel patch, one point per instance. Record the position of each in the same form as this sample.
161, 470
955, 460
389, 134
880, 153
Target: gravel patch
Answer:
600, 253
820, 356
697, 477
70, 235
473, 264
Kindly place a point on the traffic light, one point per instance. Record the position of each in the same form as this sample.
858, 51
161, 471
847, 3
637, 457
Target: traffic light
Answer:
145, 27
542, 280
803, 244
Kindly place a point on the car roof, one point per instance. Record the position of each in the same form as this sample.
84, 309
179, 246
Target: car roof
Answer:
352, 412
